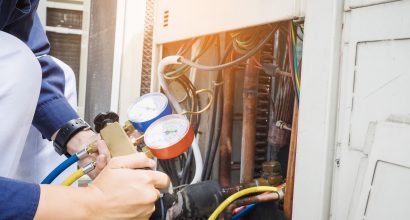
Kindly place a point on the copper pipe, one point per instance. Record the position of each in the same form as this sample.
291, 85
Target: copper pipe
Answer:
225, 148
264, 197
250, 97
229, 190
290, 177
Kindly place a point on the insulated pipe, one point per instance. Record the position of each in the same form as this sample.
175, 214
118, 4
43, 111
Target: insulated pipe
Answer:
250, 98
264, 197
178, 108
225, 150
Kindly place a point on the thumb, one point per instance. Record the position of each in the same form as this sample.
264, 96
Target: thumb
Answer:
132, 161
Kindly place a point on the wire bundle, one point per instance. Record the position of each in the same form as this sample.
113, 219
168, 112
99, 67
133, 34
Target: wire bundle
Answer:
293, 59
180, 169
251, 43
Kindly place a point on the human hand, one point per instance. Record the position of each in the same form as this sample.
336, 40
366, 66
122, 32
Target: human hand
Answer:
121, 192
136, 137
80, 141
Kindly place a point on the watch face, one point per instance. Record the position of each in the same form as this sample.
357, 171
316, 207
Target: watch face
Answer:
147, 107
166, 131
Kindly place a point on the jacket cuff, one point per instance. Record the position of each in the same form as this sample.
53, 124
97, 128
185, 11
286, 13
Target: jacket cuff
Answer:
52, 115
18, 200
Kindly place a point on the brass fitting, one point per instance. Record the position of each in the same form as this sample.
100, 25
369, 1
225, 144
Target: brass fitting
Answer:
92, 147
128, 127
147, 152
271, 173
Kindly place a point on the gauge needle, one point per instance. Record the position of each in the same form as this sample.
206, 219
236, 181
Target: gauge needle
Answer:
168, 132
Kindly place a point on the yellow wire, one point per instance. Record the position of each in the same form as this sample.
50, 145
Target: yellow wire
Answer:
294, 44
293, 36
73, 177
210, 94
230, 199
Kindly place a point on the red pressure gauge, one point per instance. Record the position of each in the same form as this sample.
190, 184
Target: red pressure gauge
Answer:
169, 136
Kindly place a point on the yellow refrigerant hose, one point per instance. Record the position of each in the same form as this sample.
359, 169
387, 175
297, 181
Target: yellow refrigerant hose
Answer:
78, 174
73, 177
235, 196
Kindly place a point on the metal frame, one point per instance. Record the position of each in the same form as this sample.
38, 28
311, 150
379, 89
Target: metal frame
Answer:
318, 110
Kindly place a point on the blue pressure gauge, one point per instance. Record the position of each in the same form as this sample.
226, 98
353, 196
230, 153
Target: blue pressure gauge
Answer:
147, 109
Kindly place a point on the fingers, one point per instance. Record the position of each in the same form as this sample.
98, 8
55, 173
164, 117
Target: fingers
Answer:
148, 194
101, 162
102, 158
132, 161
135, 134
103, 149
159, 180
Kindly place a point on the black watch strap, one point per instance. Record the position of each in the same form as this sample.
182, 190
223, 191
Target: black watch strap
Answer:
66, 133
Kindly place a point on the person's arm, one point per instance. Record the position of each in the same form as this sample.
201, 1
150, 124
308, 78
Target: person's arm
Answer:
119, 192
53, 110
18, 200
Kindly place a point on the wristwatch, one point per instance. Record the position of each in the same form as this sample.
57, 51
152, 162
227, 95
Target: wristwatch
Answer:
66, 133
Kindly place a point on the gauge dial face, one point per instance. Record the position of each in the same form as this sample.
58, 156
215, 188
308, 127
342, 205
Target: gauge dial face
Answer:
166, 131
147, 107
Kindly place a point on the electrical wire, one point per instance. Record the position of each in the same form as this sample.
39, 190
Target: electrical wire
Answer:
185, 46
186, 167
216, 118
216, 135
210, 95
195, 122
186, 170
178, 60
178, 108
206, 43
293, 60
291, 66
245, 40
170, 60
232, 63
235, 196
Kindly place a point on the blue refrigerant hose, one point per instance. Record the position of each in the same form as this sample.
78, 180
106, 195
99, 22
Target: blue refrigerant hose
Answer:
243, 211
58, 170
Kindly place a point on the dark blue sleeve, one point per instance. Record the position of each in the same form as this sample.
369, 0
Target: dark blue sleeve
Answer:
53, 110
18, 200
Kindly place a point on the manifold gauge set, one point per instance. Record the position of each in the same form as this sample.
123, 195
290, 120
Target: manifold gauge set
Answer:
147, 109
167, 135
